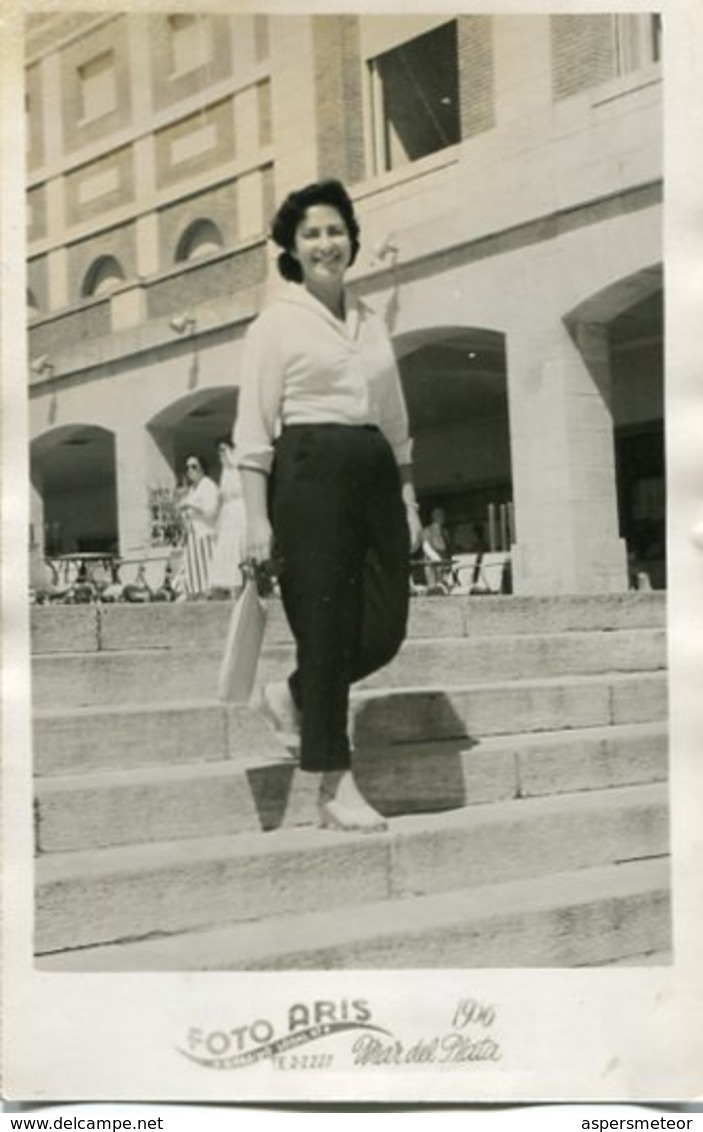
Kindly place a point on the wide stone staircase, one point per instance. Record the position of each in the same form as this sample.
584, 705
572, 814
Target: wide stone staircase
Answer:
517, 745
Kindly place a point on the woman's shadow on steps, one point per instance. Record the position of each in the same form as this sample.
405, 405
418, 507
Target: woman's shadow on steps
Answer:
405, 761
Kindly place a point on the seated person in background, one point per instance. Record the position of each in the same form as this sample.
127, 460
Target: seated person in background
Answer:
436, 547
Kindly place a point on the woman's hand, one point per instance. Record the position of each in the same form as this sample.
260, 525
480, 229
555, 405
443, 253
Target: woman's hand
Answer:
414, 526
258, 540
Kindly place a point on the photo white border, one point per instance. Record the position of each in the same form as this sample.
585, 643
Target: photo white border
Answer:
594, 1034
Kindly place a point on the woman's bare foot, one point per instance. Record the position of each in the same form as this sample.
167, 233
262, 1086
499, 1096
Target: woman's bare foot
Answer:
277, 705
343, 807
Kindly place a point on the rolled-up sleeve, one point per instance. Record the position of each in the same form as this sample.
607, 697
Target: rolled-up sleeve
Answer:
260, 394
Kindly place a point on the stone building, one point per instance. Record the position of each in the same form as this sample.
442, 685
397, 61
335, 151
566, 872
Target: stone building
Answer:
508, 175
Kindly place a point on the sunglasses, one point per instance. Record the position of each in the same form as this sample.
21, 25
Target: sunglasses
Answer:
192, 467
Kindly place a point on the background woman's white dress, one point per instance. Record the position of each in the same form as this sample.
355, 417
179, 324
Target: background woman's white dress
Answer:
200, 541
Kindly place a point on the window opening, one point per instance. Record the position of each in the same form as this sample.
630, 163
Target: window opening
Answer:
201, 238
637, 41
415, 96
104, 276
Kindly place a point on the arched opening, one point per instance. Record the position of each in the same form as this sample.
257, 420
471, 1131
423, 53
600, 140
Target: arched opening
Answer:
194, 424
636, 339
455, 383
102, 277
73, 473
201, 238
630, 315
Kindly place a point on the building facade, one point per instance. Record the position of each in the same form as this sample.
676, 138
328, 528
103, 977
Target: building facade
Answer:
508, 175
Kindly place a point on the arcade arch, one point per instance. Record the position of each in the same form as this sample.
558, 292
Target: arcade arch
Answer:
193, 424
455, 383
630, 313
74, 482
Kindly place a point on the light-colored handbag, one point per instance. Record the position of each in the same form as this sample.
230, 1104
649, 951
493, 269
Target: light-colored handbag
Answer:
243, 646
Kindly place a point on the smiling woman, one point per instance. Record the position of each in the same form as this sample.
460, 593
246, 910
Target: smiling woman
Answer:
324, 454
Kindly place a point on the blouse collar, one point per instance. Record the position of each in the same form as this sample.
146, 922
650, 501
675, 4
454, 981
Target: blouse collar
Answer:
298, 294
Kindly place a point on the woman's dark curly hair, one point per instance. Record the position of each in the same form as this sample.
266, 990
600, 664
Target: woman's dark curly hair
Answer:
201, 460
292, 212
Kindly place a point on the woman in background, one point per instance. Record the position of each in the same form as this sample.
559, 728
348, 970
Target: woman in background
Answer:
324, 456
199, 506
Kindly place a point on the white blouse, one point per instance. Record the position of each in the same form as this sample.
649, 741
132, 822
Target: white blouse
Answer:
204, 498
301, 365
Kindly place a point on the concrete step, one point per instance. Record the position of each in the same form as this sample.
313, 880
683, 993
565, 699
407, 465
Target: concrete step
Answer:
91, 628
591, 916
423, 714
78, 740
151, 675
101, 896
123, 807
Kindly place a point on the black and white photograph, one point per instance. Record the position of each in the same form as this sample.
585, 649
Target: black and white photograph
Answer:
347, 750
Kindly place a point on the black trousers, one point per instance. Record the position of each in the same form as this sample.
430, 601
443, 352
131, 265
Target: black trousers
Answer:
341, 531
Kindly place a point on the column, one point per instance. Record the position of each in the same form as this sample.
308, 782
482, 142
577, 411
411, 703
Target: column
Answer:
140, 465
563, 460
52, 108
522, 67
36, 517
57, 269
293, 108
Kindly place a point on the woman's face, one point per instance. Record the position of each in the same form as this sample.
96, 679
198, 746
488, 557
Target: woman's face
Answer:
322, 246
194, 471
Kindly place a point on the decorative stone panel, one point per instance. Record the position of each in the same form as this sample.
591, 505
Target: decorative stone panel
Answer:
110, 44
196, 144
100, 186
171, 82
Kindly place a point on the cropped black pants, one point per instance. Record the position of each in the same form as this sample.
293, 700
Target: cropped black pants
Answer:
341, 531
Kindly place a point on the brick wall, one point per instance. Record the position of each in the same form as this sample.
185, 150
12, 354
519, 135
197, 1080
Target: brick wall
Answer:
476, 93
70, 328
224, 275
583, 52
338, 100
